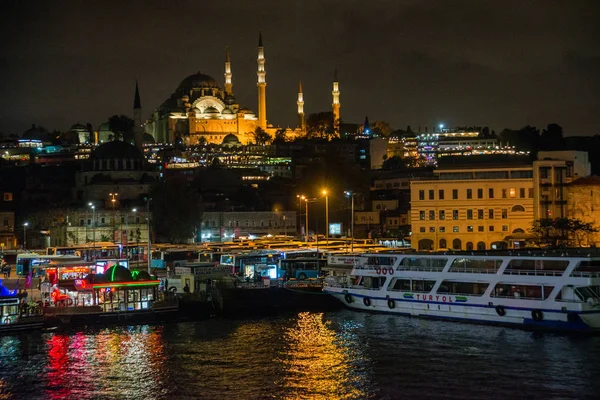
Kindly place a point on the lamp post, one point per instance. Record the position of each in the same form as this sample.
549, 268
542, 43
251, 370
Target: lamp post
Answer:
127, 230
306, 223
93, 207
326, 216
348, 193
25, 225
148, 199
114, 218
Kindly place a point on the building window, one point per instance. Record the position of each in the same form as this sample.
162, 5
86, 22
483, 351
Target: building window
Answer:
530, 190
455, 229
442, 229
491, 213
137, 220
469, 214
81, 222
422, 215
504, 213
441, 194
491, 193
8, 196
480, 193
89, 221
431, 194
421, 195
102, 220
431, 215
491, 228
422, 229
432, 229
479, 214
470, 228
522, 193
442, 215
469, 193
504, 193
454, 194
504, 228
454, 214
512, 193
480, 228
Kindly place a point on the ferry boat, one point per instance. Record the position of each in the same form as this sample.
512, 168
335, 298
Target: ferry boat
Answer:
533, 290
16, 315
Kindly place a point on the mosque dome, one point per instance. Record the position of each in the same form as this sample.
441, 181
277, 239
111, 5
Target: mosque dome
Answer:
78, 127
197, 81
36, 133
226, 111
104, 127
147, 138
117, 149
211, 110
230, 139
229, 99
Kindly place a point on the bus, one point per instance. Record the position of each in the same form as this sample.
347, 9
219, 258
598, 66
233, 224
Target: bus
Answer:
302, 268
170, 258
101, 250
64, 266
254, 265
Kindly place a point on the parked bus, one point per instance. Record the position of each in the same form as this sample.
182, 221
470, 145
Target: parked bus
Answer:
170, 258
254, 265
101, 250
302, 268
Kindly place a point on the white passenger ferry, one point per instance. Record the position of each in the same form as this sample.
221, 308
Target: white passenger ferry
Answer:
560, 292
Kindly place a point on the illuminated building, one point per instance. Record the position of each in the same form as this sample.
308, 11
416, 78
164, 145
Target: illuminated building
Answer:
477, 207
224, 226
583, 203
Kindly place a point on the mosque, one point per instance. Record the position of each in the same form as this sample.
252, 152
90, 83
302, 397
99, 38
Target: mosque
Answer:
199, 111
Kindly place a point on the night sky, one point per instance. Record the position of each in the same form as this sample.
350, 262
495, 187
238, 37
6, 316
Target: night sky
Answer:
407, 62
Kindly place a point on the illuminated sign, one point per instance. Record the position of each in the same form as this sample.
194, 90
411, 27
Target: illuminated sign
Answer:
335, 228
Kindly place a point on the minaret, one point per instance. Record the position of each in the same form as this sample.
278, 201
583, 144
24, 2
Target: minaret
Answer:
228, 75
138, 131
262, 85
336, 102
300, 102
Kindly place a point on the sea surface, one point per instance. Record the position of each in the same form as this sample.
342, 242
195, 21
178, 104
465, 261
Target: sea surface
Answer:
337, 355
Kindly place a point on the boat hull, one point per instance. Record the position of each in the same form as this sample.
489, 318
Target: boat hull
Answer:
523, 317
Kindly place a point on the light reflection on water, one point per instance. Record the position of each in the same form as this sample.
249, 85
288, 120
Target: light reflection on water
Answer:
342, 355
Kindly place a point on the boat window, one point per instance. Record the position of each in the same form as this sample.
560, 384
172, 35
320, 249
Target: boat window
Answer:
531, 266
372, 282
476, 265
422, 264
588, 268
464, 288
527, 292
381, 260
413, 285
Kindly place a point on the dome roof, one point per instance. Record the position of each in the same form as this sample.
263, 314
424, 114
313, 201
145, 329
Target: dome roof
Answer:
36, 133
198, 81
147, 138
117, 149
230, 99
78, 127
104, 127
117, 273
226, 111
211, 110
230, 139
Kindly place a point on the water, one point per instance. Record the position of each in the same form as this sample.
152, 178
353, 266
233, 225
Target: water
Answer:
340, 355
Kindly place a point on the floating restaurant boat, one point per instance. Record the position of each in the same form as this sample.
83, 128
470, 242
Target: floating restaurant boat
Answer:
533, 291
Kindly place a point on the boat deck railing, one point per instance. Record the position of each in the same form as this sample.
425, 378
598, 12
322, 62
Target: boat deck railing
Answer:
533, 272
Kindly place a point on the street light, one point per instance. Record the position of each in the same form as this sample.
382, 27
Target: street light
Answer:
148, 199
93, 207
326, 216
113, 201
25, 225
303, 198
127, 230
348, 193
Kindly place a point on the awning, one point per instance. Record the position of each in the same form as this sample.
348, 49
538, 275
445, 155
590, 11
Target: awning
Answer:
519, 237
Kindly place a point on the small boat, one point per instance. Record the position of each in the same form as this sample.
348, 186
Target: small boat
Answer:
532, 290
16, 315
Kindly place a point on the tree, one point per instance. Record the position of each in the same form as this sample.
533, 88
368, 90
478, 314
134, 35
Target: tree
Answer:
552, 138
561, 232
177, 208
399, 163
122, 127
526, 138
320, 126
381, 129
261, 136
280, 137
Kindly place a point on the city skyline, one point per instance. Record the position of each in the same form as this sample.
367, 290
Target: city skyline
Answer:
406, 63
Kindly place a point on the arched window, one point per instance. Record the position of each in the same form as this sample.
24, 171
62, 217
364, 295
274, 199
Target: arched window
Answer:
425, 244
469, 246
517, 208
480, 245
456, 244
518, 230
443, 244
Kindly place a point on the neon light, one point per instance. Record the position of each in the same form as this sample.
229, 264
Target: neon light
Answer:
112, 274
125, 284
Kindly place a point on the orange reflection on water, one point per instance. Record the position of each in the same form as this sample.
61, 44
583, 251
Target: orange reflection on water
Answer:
315, 365
105, 363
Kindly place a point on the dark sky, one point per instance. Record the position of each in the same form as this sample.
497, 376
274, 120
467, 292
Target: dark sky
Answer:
408, 62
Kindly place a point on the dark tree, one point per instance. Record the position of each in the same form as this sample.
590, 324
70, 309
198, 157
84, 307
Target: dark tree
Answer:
561, 232
261, 136
122, 127
526, 138
176, 210
552, 138
320, 126
399, 163
280, 137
